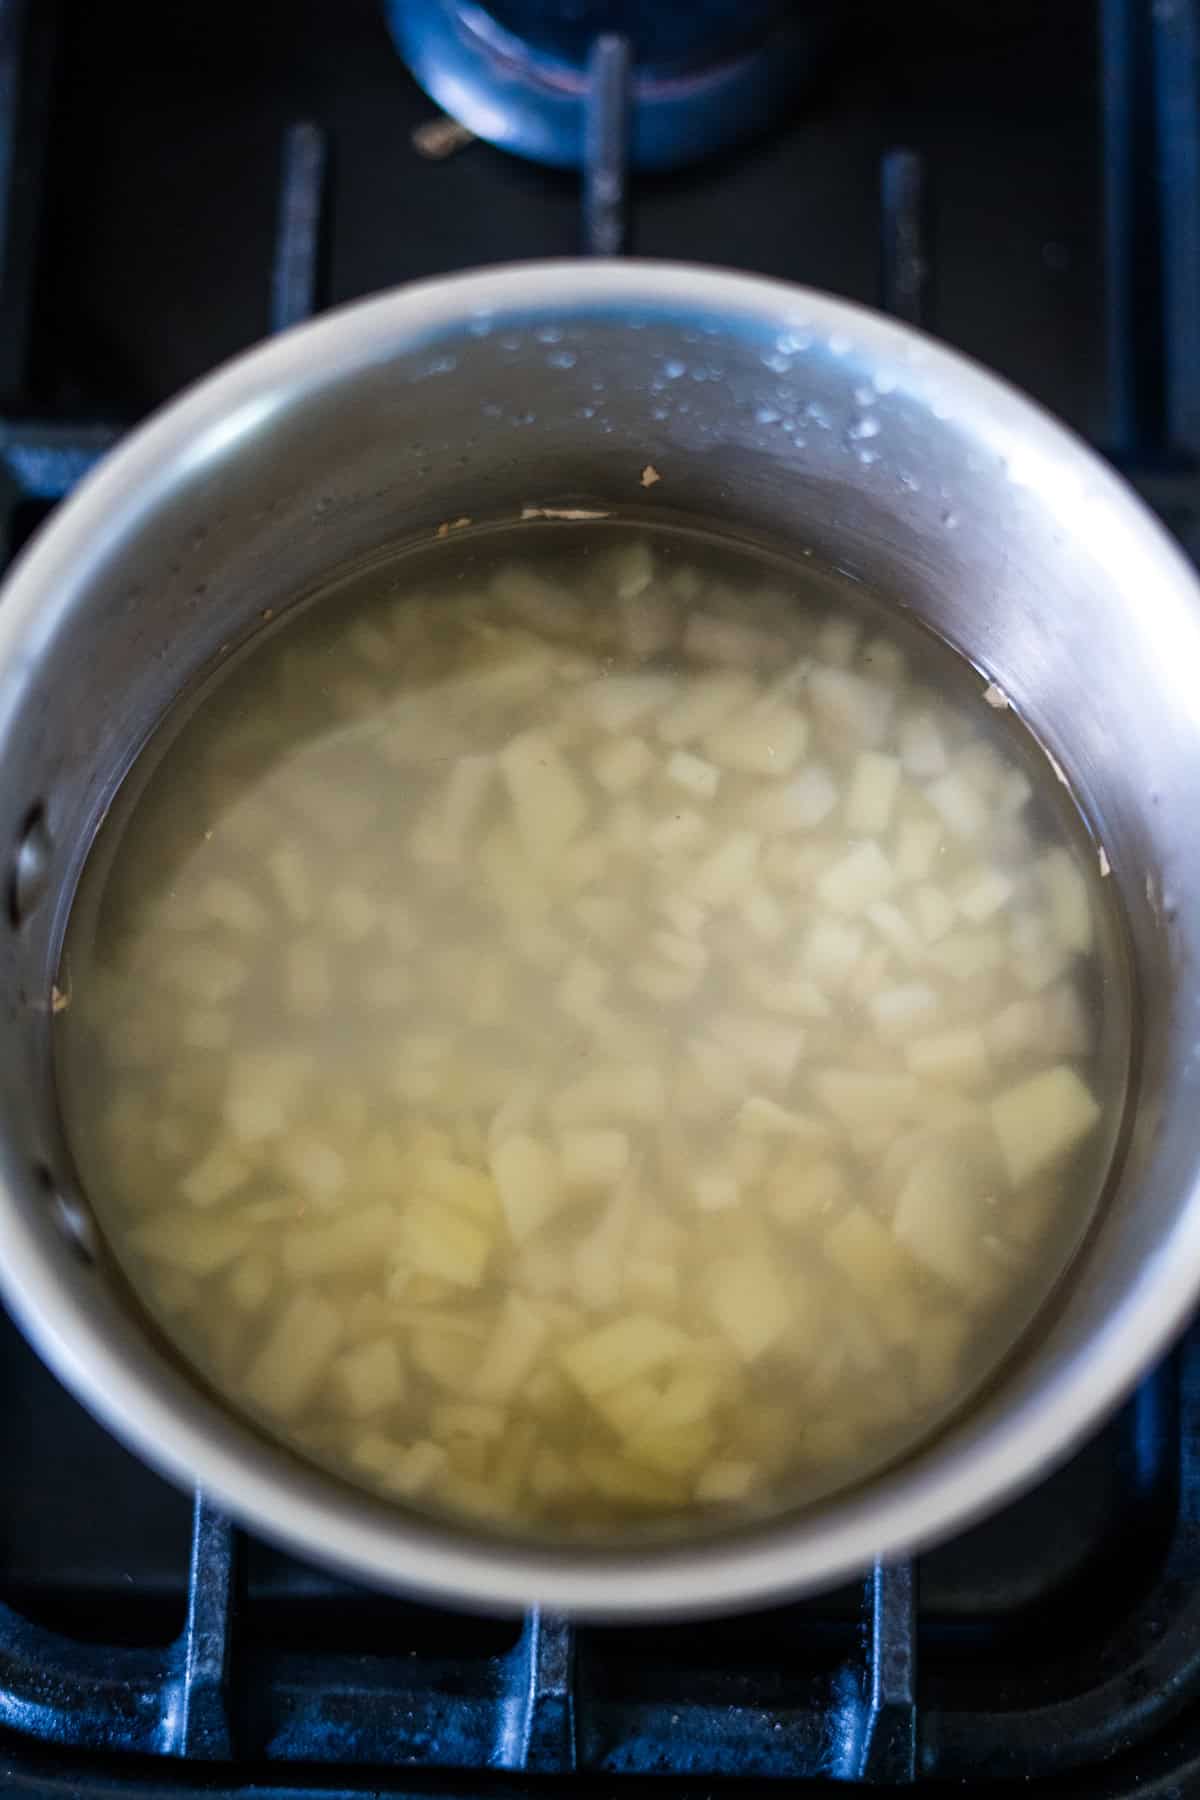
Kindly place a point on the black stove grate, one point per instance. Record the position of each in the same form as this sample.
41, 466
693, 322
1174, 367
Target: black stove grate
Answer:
146, 1645
1086, 1683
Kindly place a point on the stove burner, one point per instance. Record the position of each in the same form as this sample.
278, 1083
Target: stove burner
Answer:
518, 72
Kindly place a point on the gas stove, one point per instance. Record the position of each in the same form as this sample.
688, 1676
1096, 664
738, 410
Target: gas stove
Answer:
174, 183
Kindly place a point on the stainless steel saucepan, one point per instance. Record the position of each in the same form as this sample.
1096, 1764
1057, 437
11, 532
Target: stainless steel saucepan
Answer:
764, 408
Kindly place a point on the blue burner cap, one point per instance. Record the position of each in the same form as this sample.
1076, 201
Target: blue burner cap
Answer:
705, 74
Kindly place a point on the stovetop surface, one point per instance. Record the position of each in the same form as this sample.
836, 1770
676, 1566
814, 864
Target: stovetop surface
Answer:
164, 179
144, 1644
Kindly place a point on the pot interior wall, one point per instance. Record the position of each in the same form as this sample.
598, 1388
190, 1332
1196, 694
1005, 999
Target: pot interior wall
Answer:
856, 447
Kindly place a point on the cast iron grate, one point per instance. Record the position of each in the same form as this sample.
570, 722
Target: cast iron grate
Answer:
1058, 1647
146, 1645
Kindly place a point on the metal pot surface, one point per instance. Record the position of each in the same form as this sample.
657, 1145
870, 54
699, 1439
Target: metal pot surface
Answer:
765, 409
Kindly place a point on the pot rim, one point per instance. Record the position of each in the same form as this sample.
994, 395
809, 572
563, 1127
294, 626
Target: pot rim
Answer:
194, 1440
